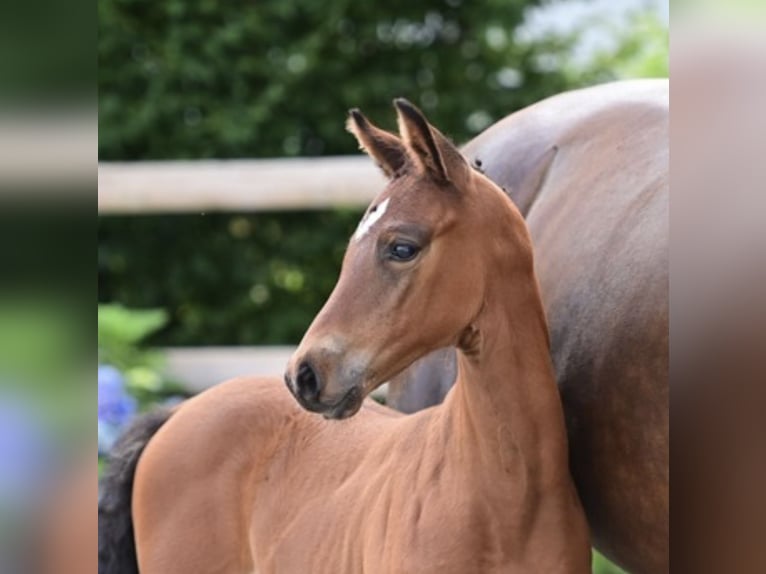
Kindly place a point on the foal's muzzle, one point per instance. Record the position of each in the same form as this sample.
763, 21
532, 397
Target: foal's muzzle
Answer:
306, 385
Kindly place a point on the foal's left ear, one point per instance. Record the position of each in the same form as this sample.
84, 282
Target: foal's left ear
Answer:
429, 147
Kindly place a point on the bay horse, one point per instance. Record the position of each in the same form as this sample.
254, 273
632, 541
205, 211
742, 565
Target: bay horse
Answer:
243, 478
589, 171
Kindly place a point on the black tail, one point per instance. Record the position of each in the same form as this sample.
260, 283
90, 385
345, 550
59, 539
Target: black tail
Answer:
116, 546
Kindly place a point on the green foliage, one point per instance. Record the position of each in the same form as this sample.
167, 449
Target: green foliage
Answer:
42, 340
603, 566
192, 79
36, 341
643, 52
120, 330
120, 334
252, 279
640, 51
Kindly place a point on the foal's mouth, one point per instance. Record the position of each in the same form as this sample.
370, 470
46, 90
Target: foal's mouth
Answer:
345, 407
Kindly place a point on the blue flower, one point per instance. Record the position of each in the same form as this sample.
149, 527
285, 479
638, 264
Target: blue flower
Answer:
24, 451
115, 406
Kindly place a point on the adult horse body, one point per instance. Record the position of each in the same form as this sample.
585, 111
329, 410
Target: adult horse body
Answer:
241, 479
589, 170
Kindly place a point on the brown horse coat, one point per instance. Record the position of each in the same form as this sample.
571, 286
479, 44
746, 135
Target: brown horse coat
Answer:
589, 170
241, 479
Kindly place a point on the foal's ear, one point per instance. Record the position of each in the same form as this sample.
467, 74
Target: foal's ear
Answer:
384, 147
429, 147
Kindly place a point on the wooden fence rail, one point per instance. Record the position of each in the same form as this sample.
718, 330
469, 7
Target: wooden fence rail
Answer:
198, 368
236, 185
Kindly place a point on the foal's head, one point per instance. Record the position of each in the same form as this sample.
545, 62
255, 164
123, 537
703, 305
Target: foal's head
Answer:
415, 273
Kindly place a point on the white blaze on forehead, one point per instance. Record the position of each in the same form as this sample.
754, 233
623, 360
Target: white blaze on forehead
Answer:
371, 219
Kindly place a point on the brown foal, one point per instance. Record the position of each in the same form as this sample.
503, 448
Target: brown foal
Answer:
240, 479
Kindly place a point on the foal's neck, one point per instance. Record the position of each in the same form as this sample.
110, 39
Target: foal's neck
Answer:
506, 403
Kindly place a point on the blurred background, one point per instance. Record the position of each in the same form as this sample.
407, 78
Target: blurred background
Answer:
213, 256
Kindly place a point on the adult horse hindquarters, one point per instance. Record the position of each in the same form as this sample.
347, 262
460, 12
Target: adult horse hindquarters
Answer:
589, 170
240, 479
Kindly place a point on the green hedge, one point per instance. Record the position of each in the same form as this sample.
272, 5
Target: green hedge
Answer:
224, 278
201, 78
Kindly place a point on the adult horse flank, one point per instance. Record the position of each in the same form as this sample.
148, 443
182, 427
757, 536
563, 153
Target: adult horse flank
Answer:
589, 171
241, 479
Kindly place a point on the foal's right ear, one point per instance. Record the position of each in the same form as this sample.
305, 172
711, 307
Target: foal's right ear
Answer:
384, 147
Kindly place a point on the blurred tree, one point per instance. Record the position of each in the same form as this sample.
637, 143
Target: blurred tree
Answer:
199, 78
225, 278
639, 50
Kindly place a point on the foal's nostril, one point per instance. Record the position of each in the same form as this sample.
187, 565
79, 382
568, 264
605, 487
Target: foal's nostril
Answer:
307, 382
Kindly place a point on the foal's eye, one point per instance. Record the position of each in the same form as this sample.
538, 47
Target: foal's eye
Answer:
403, 251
